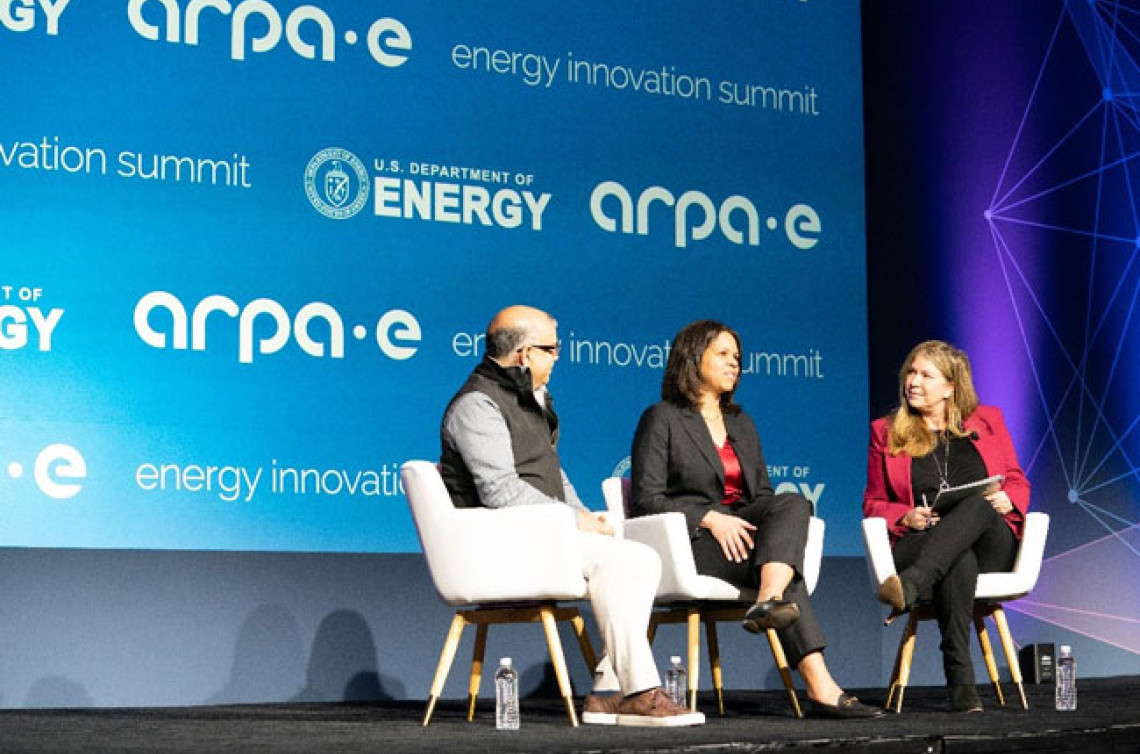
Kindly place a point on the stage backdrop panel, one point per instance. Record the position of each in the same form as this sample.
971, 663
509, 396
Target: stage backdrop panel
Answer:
249, 248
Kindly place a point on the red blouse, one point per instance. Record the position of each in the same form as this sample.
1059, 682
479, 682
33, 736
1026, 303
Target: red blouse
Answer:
733, 476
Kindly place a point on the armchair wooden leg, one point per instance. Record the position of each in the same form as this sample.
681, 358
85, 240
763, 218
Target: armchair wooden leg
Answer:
988, 655
893, 686
445, 659
906, 656
550, 626
476, 669
1010, 653
714, 664
654, 622
693, 622
785, 672
584, 643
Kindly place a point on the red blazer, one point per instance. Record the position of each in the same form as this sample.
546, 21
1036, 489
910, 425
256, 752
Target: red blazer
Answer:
888, 493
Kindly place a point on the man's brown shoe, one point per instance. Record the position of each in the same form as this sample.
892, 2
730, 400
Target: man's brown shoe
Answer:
601, 710
655, 709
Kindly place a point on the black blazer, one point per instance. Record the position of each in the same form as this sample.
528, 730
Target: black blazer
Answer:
676, 466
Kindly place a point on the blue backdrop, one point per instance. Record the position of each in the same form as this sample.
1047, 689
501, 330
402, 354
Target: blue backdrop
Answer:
248, 254
954, 89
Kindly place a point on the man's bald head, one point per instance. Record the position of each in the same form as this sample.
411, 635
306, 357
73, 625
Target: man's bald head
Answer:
522, 336
514, 327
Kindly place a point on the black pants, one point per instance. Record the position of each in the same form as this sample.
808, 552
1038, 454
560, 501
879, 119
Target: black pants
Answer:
944, 563
781, 523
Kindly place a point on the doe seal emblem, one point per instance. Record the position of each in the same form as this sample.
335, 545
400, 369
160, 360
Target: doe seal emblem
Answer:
336, 183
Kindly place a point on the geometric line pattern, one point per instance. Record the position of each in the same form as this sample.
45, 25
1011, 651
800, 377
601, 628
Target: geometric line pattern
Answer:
1084, 591
1064, 219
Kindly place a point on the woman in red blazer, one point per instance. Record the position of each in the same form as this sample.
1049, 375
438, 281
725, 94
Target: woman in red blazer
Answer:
938, 438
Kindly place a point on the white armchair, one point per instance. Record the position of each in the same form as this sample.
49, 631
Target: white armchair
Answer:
993, 589
511, 565
686, 596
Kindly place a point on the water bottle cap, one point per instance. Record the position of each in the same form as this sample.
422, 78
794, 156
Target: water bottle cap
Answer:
675, 659
505, 662
1066, 649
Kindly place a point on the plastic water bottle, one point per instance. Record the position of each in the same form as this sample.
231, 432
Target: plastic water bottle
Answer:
676, 681
1066, 680
506, 696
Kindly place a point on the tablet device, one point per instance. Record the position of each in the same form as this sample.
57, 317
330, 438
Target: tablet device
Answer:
948, 498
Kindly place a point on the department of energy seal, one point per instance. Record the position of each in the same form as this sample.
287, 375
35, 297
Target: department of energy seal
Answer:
336, 183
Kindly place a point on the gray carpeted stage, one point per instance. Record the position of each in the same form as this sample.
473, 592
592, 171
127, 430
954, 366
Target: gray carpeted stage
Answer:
1108, 720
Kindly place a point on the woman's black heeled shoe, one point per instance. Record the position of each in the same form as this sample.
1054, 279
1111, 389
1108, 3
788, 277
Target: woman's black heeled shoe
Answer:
767, 614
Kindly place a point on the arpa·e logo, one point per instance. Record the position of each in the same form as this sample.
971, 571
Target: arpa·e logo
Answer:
266, 327
694, 216
388, 40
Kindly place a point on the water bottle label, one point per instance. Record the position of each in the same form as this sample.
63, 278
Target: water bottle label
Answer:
506, 699
1066, 684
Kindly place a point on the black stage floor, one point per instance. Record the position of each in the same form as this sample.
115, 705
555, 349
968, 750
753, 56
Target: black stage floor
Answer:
1108, 720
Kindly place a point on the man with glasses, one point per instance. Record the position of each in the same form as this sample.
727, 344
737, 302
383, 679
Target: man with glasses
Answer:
499, 439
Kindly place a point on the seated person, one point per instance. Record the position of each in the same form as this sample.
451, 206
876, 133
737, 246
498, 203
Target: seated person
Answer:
698, 453
939, 437
499, 438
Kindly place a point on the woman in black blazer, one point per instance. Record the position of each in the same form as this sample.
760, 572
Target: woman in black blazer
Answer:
697, 453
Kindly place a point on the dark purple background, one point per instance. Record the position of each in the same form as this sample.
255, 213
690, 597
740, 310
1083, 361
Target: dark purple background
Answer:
1000, 105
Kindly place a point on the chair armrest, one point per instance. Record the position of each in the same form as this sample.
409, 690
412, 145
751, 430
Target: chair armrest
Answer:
668, 535
1026, 567
880, 559
614, 490
1032, 549
519, 553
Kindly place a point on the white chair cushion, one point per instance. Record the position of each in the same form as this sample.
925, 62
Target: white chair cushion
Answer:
668, 535
479, 555
998, 587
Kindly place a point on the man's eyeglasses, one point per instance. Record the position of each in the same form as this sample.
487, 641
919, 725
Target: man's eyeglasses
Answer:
552, 350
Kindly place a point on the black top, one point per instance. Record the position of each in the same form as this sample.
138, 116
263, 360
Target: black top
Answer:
965, 466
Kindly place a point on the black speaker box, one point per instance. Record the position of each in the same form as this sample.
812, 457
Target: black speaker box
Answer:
1037, 662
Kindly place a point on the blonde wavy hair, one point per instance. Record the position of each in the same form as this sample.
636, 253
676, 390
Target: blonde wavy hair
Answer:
909, 433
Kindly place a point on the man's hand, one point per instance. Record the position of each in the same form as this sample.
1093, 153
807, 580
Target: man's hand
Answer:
595, 522
732, 532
